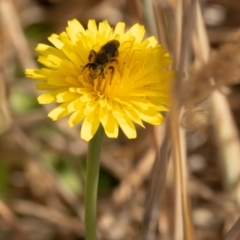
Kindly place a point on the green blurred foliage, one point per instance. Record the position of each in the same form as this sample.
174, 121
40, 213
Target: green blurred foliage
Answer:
21, 102
37, 30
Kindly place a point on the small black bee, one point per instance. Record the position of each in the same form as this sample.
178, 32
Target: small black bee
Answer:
99, 60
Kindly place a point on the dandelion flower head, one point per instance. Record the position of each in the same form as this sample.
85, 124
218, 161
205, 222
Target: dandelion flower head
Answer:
130, 88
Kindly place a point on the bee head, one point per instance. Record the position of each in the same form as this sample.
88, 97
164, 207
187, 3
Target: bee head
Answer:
95, 70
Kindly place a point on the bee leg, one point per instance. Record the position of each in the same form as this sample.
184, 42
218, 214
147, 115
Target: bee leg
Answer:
91, 55
113, 60
111, 68
102, 74
87, 65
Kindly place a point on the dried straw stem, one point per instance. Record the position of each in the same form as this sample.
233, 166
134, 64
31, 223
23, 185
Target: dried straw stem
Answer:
181, 52
226, 132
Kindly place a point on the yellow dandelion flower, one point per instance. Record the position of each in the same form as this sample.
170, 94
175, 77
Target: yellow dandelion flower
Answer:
104, 75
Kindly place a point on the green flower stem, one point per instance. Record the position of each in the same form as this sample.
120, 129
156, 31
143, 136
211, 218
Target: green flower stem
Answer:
91, 188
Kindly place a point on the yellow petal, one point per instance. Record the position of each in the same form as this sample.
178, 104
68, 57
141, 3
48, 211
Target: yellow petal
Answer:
124, 122
119, 29
74, 27
48, 50
49, 97
92, 26
59, 112
89, 127
76, 105
76, 118
54, 39
137, 31
111, 126
133, 115
128, 127
152, 117
66, 96
45, 86
34, 73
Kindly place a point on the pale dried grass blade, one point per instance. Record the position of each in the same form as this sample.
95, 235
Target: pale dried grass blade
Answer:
181, 53
155, 190
149, 17
234, 232
160, 166
227, 138
8, 216
225, 128
134, 178
161, 25
12, 24
5, 116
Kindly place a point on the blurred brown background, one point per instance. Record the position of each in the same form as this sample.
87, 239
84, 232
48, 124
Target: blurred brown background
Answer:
42, 163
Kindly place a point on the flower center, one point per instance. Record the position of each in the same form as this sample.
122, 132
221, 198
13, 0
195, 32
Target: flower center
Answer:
105, 83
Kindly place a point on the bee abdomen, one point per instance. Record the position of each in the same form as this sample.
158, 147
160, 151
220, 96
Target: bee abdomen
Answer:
102, 58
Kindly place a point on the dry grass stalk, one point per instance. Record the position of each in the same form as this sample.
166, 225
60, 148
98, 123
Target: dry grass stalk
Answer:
135, 178
50, 215
182, 200
234, 232
161, 24
12, 24
5, 117
183, 36
227, 138
211, 73
155, 191
160, 166
221, 69
9, 217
